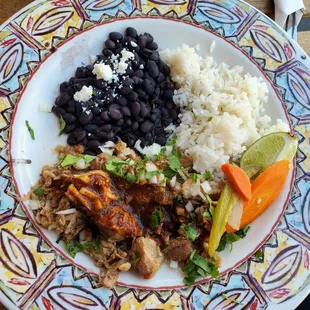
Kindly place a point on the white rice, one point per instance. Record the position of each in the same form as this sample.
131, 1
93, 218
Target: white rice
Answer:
222, 110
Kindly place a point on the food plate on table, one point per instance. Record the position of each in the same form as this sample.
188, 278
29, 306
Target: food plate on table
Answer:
151, 157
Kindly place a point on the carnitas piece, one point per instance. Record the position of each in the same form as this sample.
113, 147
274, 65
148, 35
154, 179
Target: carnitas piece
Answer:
94, 193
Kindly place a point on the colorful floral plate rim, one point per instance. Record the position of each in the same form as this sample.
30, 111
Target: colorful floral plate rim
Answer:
34, 276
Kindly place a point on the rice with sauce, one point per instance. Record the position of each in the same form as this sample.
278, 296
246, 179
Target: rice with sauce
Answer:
222, 110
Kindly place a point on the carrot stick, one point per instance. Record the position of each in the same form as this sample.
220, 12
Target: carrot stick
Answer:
265, 189
238, 180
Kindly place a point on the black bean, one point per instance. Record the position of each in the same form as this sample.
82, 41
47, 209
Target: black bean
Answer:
106, 52
72, 80
147, 52
120, 122
126, 111
91, 128
93, 145
127, 82
102, 135
160, 140
125, 90
131, 32
157, 91
164, 113
160, 65
148, 85
168, 94
134, 126
118, 50
167, 121
106, 127
141, 41
121, 100
156, 112
173, 114
100, 84
130, 71
148, 77
166, 69
139, 119
133, 96
105, 116
135, 108
110, 135
96, 110
63, 86
154, 56
58, 110
153, 117
80, 72
152, 46
76, 137
69, 118
161, 77
153, 69
137, 80
128, 122
141, 93
115, 36
71, 110
149, 38
144, 111
62, 99
115, 113
71, 103
85, 117
69, 128
70, 91
98, 121
139, 74
130, 142
170, 105
110, 44
77, 87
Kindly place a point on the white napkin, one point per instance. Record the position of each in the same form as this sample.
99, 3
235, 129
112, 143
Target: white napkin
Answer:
288, 14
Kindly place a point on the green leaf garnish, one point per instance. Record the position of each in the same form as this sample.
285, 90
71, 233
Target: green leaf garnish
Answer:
31, 131
131, 178
62, 125
198, 266
190, 231
70, 160
39, 191
115, 166
88, 158
73, 247
150, 174
229, 239
156, 218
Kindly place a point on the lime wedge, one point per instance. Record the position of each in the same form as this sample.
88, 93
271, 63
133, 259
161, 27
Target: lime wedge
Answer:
266, 151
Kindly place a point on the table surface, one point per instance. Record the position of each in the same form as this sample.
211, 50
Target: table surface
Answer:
8, 8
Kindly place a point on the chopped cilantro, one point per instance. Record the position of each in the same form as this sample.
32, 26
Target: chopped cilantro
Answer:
231, 238
62, 125
140, 168
190, 231
195, 176
39, 191
70, 160
31, 131
175, 165
198, 266
156, 218
131, 178
172, 141
169, 174
150, 174
115, 166
74, 247
259, 254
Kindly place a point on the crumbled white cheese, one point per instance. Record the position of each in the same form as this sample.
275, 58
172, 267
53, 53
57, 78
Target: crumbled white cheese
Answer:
133, 44
122, 66
45, 107
141, 66
84, 94
126, 55
103, 71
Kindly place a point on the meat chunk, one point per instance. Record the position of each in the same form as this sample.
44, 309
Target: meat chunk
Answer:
144, 194
146, 256
118, 222
179, 249
94, 193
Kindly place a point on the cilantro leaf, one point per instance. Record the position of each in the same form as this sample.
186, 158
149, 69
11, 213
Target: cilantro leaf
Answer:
88, 158
156, 218
229, 239
190, 231
208, 213
39, 191
62, 125
131, 178
31, 131
150, 174
198, 266
196, 176
73, 247
70, 160
115, 166
174, 162
140, 168
169, 174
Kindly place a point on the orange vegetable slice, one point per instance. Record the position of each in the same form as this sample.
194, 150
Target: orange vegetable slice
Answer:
265, 189
238, 180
